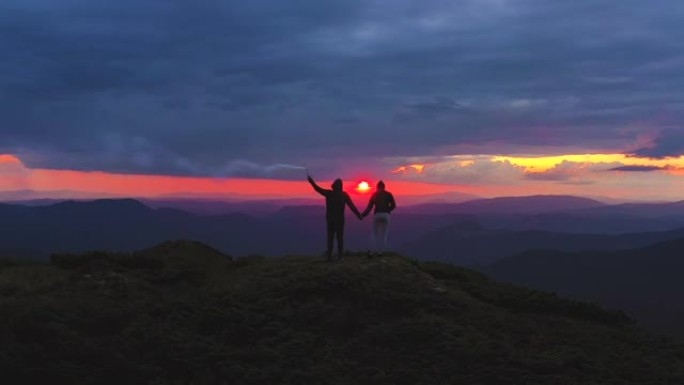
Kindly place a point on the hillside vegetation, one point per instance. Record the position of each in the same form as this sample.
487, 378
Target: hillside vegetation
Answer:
183, 313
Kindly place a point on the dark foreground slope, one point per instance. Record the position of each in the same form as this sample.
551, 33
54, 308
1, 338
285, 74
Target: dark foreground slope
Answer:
182, 313
645, 282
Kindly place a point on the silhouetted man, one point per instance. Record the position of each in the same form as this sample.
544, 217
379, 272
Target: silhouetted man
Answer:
335, 202
384, 204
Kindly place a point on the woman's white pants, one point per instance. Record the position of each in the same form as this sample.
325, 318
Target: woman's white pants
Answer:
380, 227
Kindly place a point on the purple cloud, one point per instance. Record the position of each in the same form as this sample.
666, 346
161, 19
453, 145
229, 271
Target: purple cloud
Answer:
669, 144
639, 168
231, 87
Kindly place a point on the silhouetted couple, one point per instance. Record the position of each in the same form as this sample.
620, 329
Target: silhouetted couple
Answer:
335, 202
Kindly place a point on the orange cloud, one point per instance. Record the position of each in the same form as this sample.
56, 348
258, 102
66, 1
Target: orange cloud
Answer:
541, 164
609, 175
155, 185
10, 159
674, 171
415, 167
15, 176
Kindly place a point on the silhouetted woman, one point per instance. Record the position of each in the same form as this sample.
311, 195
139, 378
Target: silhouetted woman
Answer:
335, 202
384, 204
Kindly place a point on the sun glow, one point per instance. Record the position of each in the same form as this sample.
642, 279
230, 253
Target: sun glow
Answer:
363, 187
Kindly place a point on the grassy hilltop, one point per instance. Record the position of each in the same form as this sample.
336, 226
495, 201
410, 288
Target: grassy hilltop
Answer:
183, 313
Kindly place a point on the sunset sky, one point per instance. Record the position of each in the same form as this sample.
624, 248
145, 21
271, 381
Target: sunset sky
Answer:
482, 97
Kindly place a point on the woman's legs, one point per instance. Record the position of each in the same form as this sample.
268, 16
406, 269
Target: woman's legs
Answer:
380, 228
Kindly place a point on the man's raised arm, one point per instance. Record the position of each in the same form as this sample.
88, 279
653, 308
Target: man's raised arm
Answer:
316, 187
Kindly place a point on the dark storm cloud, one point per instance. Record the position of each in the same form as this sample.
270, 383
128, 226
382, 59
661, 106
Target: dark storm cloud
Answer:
639, 168
206, 87
669, 144
436, 108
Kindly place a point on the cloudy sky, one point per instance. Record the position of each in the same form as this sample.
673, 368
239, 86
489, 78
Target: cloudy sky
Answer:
489, 97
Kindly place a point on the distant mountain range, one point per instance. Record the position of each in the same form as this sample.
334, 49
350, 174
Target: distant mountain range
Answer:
468, 243
124, 225
214, 207
648, 282
528, 205
472, 233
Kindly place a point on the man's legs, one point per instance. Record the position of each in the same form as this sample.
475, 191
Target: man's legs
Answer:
331, 236
340, 239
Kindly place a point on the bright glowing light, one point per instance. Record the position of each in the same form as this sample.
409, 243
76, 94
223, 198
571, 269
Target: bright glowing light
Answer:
415, 167
363, 187
545, 163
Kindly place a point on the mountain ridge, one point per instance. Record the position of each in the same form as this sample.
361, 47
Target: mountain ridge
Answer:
472, 244
127, 225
